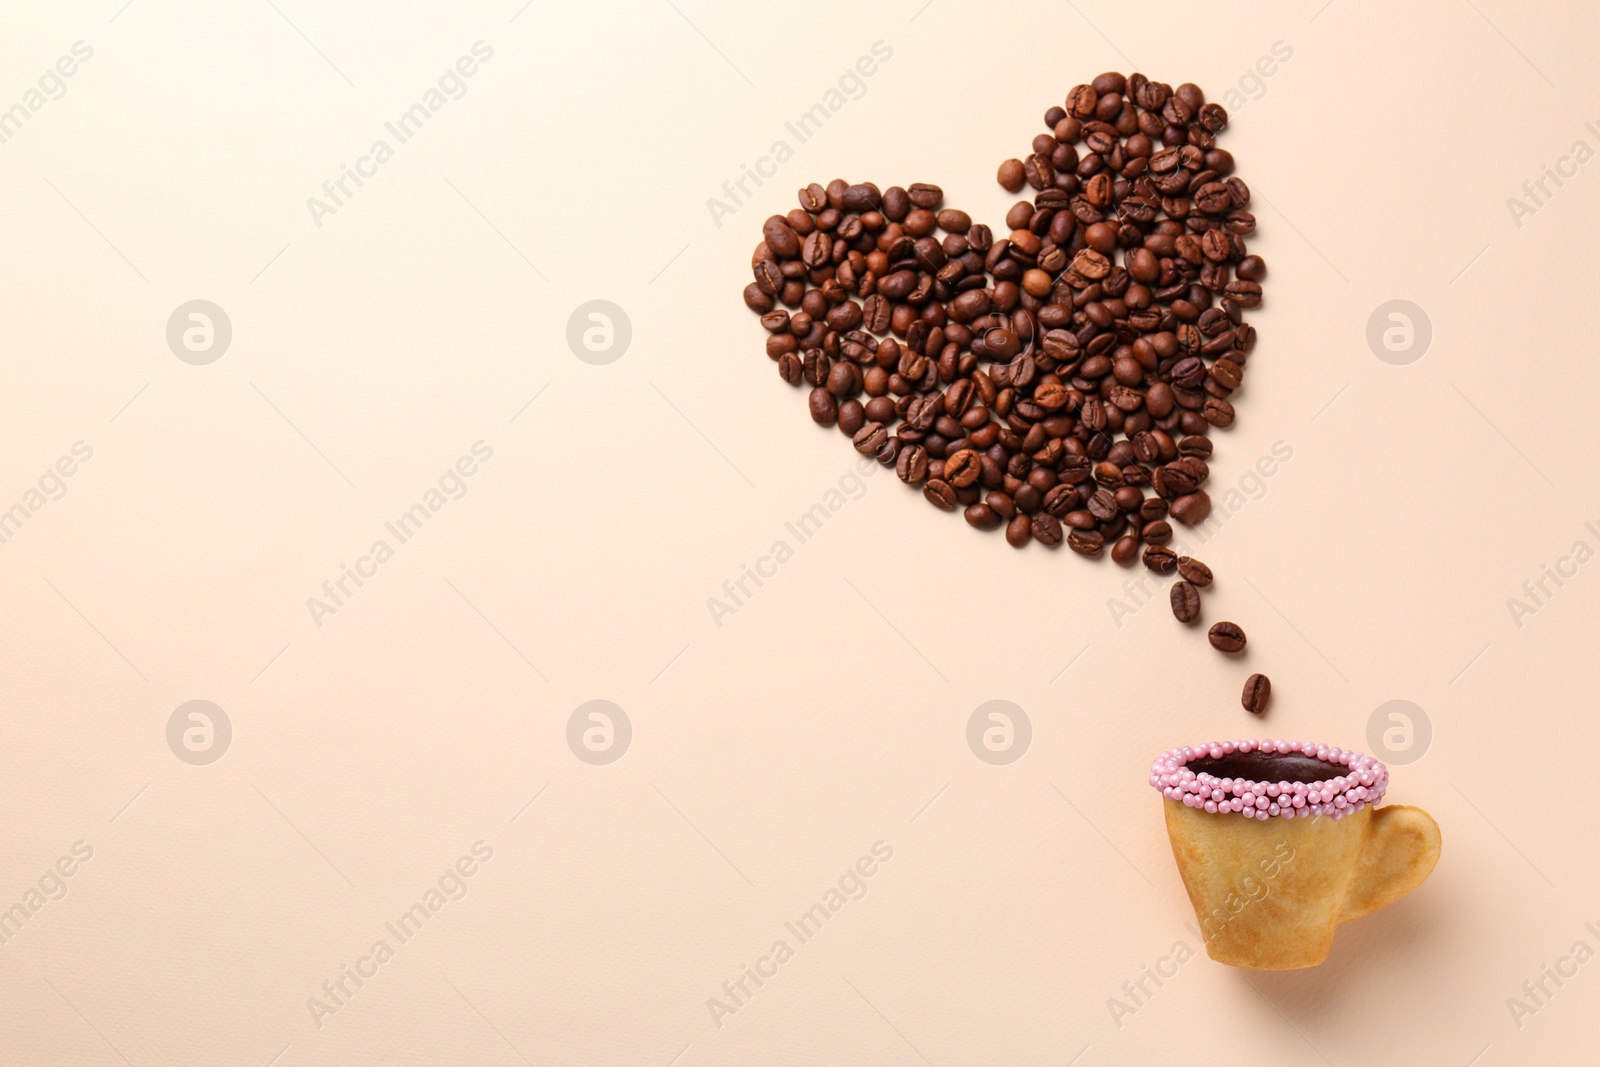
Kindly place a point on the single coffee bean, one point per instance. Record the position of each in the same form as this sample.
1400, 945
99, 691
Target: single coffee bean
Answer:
925, 196
844, 379
1047, 529
1187, 373
1191, 508
852, 416
1126, 550
1103, 505
1060, 499
962, 468
1257, 692
1226, 637
757, 300
817, 366
1250, 268
880, 409
1019, 531
940, 494
1156, 533
1226, 373
780, 238
981, 516
1086, 542
1160, 559
1011, 177
870, 437
875, 313
1196, 467
1194, 572
1174, 480
912, 464
816, 252
1185, 601
862, 197
824, 409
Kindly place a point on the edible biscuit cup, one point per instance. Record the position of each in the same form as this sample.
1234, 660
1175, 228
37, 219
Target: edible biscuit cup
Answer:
1278, 842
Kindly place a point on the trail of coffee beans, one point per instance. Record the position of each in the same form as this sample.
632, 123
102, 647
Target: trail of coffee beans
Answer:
1059, 381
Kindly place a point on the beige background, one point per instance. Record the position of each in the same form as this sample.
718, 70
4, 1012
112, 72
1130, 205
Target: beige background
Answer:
829, 712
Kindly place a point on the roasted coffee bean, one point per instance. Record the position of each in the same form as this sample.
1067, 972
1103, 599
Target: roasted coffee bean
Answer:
1188, 372
875, 311
1191, 508
1257, 693
817, 251
870, 437
769, 279
1002, 504
1086, 542
824, 409
1156, 533
895, 203
1126, 550
1244, 293
1011, 177
940, 494
781, 240
1047, 529
862, 197
1219, 413
817, 366
1039, 172
1185, 601
1103, 505
981, 517
1226, 373
1226, 637
1251, 269
912, 464
757, 299
925, 196
1160, 559
1194, 572
1175, 480
844, 379
879, 408
962, 468
1019, 531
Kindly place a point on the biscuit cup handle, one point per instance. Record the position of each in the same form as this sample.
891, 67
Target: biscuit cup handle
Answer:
1400, 851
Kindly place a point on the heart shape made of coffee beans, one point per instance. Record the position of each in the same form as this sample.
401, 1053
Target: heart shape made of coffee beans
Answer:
1059, 381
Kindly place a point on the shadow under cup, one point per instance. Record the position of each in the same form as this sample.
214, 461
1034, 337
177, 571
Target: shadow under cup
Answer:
1269, 891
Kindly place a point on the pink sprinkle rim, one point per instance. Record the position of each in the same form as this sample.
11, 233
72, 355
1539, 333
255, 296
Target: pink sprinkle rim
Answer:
1364, 782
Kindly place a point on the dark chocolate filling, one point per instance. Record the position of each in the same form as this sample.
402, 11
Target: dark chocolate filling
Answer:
1268, 767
